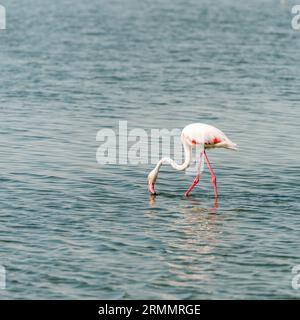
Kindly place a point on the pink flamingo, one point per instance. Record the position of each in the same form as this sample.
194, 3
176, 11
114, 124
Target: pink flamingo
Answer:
207, 137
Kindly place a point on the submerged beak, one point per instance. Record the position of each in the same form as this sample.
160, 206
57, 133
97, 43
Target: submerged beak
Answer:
151, 187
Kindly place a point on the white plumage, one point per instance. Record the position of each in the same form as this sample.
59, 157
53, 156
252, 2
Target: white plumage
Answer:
193, 134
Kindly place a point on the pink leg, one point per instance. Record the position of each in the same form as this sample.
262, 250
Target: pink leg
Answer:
197, 177
213, 177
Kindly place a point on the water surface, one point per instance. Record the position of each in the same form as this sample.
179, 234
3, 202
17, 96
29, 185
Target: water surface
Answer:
73, 229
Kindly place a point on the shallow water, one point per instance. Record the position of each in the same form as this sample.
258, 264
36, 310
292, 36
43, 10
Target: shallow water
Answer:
71, 228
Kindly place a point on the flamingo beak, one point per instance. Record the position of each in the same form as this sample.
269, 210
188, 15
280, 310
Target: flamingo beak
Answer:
151, 187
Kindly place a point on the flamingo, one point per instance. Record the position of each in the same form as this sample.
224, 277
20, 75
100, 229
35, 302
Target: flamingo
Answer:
207, 137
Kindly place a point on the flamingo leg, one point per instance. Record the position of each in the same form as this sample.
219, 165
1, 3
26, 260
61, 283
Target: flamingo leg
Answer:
196, 180
213, 177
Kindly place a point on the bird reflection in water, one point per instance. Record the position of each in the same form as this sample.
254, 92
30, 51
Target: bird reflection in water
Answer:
152, 201
193, 235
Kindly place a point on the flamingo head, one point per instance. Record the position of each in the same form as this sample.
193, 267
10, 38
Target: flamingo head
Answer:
151, 181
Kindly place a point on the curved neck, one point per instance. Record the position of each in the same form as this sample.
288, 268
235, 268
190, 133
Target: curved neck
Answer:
180, 167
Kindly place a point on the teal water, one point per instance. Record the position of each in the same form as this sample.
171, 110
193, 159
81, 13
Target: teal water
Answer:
73, 229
